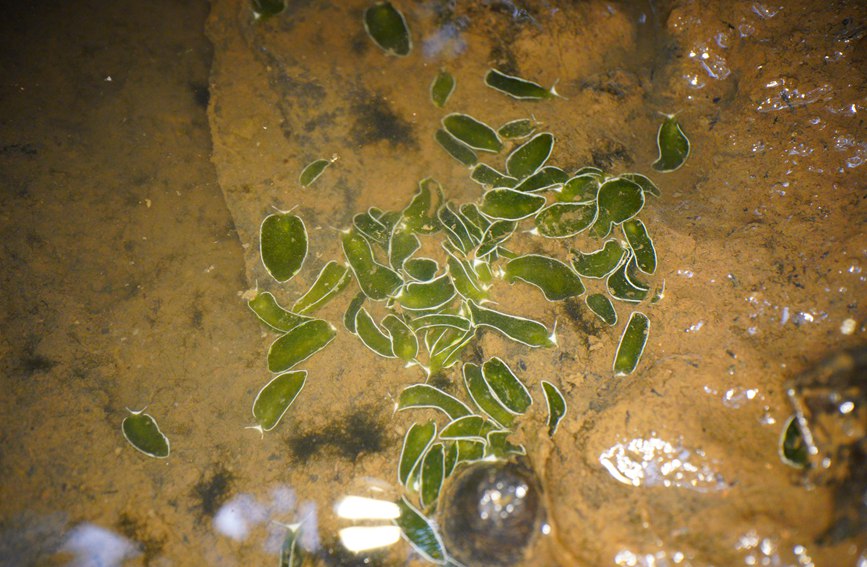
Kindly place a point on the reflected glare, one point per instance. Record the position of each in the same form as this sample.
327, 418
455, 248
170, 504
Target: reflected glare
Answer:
360, 508
365, 538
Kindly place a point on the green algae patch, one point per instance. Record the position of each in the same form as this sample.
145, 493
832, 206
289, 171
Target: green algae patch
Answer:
455, 148
266, 308
387, 27
421, 269
496, 234
632, 344
564, 220
371, 335
378, 282
624, 288
486, 175
469, 427
673, 146
276, 397
646, 184
618, 200
433, 471
556, 280
283, 245
426, 396
641, 244
331, 280
420, 215
508, 389
516, 87
793, 448
441, 88
420, 533
548, 177
313, 171
508, 204
517, 129
599, 263
599, 304
415, 444
472, 132
404, 343
579, 188
422, 296
556, 406
519, 329
481, 394
527, 158
299, 344
143, 433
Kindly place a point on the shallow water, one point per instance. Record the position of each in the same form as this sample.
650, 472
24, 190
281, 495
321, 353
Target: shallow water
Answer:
138, 159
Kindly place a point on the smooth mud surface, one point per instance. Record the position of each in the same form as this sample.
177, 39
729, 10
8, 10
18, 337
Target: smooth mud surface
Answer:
138, 157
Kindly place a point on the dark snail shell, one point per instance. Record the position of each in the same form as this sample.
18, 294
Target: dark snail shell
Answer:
491, 513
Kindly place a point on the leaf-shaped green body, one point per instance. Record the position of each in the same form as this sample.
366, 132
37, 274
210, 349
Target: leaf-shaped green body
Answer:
631, 344
143, 433
420, 533
426, 396
511, 392
420, 296
580, 188
484, 398
556, 406
602, 307
387, 28
331, 280
673, 146
371, 335
432, 474
599, 263
415, 445
562, 220
404, 343
618, 200
312, 172
517, 129
420, 215
274, 399
516, 87
508, 204
641, 245
441, 88
556, 280
621, 287
283, 245
456, 148
549, 177
525, 331
530, 156
299, 344
266, 308
472, 132
378, 282
490, 177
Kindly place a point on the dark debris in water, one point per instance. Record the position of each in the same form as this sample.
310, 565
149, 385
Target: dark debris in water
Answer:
213, 490
376, 121
611, 155
354, 435
136, 529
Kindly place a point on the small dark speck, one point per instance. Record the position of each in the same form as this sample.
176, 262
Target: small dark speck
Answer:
201, 94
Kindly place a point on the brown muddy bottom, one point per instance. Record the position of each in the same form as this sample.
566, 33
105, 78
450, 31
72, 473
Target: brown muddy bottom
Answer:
124, 205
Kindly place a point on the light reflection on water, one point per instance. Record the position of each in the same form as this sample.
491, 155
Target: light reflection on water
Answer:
656, 462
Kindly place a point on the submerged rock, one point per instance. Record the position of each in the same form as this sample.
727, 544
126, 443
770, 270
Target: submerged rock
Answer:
491, 513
